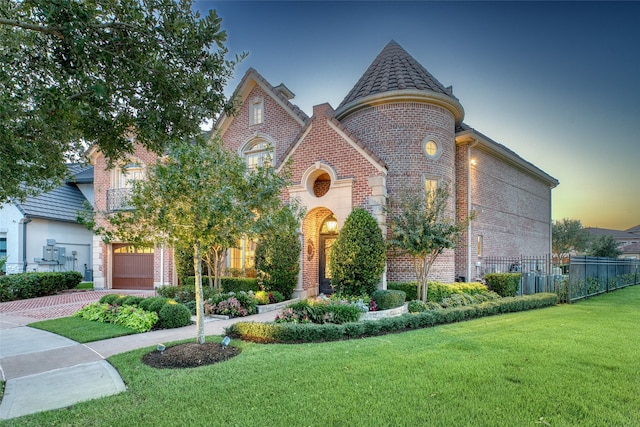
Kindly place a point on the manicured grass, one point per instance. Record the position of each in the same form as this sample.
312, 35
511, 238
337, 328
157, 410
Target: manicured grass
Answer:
570, 365
85, 285
82, 330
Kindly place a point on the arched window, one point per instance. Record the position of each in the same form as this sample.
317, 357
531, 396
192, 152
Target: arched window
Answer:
258, 153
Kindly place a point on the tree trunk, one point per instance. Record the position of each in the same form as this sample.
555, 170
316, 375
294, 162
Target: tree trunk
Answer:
197, 267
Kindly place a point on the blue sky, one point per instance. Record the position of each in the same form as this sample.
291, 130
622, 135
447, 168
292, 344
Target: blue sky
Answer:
556, 82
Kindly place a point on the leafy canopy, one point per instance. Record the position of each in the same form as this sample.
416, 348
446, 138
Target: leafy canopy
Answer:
605, 246
199, 196
75, 73
568, 236
422, 228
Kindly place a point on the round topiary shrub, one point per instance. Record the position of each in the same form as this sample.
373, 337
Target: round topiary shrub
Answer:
131, 300
416, 306
358, 255
386, 299
109, 299
153, 303
174, 316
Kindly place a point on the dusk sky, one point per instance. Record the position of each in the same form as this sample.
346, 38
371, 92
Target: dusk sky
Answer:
556, 82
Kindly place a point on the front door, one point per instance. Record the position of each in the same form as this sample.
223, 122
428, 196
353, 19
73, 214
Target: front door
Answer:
326, 243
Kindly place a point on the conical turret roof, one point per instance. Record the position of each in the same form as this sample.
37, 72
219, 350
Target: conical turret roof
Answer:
393, 70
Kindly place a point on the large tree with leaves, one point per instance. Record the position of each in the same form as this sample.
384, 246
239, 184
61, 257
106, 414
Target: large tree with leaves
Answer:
200, 196
422, 227
80, 72
605, 246
568, 235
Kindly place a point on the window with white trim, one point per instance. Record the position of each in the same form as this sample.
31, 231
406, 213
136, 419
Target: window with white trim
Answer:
256, 112
242, 257
258, 154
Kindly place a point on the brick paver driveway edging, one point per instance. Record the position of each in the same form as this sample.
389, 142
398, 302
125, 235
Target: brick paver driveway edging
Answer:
61, 305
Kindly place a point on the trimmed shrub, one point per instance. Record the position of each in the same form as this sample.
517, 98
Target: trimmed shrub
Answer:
268, 297
153, 303
504, 284
386, 299
109, 298
320, 312
416, 306
300, 332
409, 288
131, 300
358, 255
174, 316
32, 285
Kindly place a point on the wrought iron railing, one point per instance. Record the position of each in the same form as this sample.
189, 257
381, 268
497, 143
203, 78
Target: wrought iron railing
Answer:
118, 199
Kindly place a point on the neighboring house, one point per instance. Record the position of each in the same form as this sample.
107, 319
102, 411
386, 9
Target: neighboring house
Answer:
628, 240
120, 265
43, 234
398, 127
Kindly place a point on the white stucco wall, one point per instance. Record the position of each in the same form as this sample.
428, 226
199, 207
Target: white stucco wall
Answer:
72, 237
10, 228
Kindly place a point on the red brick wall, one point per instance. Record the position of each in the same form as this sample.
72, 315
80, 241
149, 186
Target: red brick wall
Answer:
396, 133
277, 124
102, 183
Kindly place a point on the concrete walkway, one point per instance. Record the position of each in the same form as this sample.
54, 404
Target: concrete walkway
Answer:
45, 371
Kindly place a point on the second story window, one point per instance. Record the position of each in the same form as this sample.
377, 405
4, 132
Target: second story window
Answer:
258, 154
256, 112
123, 179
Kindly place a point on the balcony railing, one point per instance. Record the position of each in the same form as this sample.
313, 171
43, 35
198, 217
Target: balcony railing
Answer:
118, 199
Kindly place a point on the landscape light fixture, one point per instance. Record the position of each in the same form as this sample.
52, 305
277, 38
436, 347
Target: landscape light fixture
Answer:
225, 342
161, 348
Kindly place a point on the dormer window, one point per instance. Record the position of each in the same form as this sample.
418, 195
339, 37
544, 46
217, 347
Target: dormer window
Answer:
256, 112
259, 153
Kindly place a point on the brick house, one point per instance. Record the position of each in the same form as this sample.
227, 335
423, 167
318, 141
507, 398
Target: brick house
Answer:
397, 127
120, 265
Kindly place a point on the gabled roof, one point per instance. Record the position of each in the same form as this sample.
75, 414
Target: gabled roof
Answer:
635, 229
281, 94
465, 133
60, 204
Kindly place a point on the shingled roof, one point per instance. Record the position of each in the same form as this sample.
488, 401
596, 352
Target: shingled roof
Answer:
394, 69
62, 203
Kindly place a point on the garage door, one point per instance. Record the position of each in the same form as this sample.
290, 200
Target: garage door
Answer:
132, 267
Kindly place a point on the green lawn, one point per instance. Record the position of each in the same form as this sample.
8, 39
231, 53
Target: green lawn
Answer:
82, 330
570, 365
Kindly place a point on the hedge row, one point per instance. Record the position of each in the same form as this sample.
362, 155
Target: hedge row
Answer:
302, 333
32, 285
438, 291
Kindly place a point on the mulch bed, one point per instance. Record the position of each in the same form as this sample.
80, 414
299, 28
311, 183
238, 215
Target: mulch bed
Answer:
190, 355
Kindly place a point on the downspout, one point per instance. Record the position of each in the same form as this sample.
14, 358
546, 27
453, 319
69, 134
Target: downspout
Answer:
469, 147
24, 221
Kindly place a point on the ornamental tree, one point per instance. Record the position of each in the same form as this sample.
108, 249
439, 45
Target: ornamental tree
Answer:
199, 196
77, 73
605, 246
422, 228
358, 256
278, 251
568, 236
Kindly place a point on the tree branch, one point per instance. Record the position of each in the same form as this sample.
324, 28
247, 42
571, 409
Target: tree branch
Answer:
33, 27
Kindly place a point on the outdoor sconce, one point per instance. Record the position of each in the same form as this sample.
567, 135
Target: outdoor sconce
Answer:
473, 162
332, 224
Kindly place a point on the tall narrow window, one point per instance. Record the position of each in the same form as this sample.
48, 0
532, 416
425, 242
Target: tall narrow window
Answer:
480, 246
258, 154
256, 112
430, 186
242, 257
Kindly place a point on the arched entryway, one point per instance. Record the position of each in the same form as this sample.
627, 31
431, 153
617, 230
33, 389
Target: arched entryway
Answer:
327, 237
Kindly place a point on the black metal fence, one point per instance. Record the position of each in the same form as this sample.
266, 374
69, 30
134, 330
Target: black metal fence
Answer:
581, 278
589, 276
